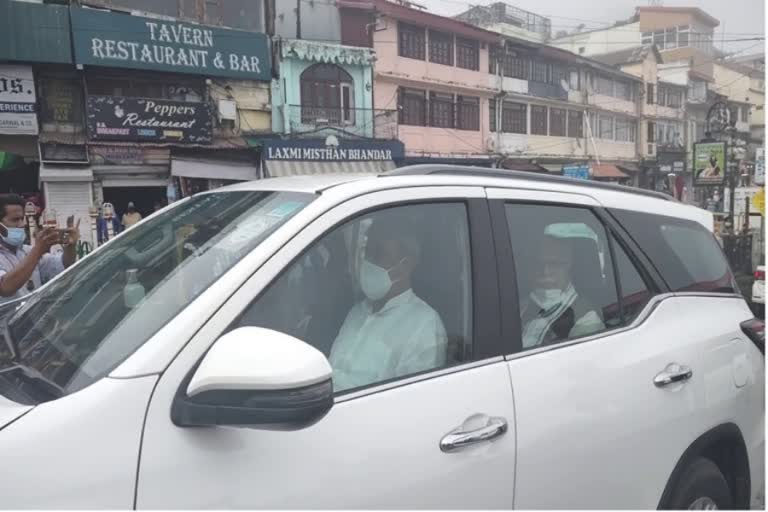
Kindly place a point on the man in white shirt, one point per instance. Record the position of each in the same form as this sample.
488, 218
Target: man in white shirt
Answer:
25, 268
392, 332
554, 311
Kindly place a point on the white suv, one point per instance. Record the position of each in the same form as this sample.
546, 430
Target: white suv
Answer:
436, 337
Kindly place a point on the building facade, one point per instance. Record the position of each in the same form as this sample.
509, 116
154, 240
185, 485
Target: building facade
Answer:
323, 117
138, 102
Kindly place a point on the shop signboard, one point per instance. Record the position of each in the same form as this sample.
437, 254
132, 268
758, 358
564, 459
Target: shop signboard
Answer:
578, 171
340, 151
148, 120
128, 155
102, 38
709, 163
18, 111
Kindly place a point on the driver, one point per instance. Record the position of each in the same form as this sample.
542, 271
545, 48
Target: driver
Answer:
391, 332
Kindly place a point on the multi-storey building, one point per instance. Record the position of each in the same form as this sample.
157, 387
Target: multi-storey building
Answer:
138, 101
662, 139
466, 94
434, 71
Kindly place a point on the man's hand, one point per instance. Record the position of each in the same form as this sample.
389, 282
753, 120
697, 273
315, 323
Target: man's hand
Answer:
45, 239
73, 235
73, 231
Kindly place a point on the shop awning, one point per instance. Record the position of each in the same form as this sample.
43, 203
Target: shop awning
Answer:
276, 168
628, 167
607, 171
213, 169
59, 173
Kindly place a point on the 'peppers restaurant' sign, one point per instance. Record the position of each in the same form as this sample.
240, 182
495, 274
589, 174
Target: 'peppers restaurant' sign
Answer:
119, 40
142, 119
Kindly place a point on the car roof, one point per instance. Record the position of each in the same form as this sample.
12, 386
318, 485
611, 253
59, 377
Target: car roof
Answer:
609, 195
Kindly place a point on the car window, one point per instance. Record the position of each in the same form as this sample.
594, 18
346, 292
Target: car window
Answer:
80, 326
565, 275
634, 291
685, 253
383, 296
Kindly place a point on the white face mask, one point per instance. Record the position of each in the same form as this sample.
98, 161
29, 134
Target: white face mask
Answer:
375, 280
547, 298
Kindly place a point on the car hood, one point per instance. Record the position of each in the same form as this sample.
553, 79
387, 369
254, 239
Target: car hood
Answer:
10, 411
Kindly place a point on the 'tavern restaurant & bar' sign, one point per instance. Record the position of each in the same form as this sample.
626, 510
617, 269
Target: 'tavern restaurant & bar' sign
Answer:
120, 40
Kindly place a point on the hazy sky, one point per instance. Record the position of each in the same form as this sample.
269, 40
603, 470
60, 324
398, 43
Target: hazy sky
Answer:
738, 18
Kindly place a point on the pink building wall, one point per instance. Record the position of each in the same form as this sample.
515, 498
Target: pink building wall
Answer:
393, 71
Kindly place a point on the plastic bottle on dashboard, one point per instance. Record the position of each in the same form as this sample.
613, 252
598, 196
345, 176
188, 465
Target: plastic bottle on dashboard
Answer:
133, 292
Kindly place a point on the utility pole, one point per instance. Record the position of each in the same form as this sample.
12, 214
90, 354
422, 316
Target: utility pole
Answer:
298, 19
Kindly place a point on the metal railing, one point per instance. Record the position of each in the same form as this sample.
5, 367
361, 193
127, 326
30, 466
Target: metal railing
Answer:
363, 122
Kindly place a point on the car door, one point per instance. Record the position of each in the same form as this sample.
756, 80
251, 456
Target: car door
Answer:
434, 436
595, 426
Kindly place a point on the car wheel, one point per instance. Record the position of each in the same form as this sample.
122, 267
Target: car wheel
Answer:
701, 487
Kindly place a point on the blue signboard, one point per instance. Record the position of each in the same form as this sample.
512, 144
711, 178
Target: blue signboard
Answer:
318, 150
578, 171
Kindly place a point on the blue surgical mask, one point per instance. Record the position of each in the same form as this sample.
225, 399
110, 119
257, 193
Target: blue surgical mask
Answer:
15, 237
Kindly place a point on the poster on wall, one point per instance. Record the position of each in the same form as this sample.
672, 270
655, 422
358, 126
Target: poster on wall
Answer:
142, 119
18, 112
709, 163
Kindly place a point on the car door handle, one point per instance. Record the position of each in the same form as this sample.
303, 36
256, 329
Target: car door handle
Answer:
459, 438
672, 373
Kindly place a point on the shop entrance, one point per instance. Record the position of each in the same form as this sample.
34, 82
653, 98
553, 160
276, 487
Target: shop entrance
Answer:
145, 198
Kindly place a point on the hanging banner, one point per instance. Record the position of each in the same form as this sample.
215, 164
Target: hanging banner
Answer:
709, 163
103, 38
142, 119
18, 112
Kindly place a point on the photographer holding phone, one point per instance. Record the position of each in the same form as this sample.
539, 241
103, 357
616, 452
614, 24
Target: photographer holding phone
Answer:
24, 268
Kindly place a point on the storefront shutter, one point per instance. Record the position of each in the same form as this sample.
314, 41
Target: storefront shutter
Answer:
71, 198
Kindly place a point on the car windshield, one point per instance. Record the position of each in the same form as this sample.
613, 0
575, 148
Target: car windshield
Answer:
82, 325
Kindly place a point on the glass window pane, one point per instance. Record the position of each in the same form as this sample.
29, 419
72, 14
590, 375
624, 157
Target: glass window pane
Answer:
373, 297
564, 273
538, 120
606, 127
634, 292
669, 243
108, 306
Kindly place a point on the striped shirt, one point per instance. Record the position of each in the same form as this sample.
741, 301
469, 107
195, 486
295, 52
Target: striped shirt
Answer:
47, 268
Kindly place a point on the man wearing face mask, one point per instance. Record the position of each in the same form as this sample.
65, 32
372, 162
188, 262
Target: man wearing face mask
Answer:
24, 268
392, 332
554, 311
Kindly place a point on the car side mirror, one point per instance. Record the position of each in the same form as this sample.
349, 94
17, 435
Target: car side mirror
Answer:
256, 377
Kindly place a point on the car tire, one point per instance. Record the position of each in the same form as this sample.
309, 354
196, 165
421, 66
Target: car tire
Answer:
700, 486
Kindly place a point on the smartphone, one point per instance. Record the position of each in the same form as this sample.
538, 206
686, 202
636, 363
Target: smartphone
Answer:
63, 236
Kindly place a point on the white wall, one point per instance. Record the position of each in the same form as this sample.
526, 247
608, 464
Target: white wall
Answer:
602, 41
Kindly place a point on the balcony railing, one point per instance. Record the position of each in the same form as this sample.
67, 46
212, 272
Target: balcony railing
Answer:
362, 122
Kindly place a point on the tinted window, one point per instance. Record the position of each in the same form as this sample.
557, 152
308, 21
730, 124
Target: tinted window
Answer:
634, 292
384, 296
564, 272
684, 252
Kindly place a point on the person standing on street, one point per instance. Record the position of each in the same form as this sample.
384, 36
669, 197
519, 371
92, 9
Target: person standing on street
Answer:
24, 268
131, 217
